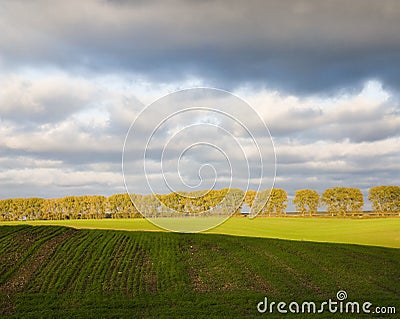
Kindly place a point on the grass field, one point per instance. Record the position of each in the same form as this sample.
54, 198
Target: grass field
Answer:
52, 272
379, 232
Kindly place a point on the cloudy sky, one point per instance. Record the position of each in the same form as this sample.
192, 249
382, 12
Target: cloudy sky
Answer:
323, 75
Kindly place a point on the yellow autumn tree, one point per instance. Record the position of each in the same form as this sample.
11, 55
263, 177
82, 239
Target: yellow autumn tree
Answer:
306, 201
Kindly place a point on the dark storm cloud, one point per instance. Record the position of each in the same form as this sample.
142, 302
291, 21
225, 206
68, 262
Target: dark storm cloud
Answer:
70, 73
299, 46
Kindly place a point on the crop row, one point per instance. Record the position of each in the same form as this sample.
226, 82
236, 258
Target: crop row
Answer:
146, 274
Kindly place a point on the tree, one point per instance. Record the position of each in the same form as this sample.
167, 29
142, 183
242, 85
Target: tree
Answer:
270, 201
306, 201
232, 202
120, 206
249, 197
6, 210
49, 208
32, 208
385, 199
343, 200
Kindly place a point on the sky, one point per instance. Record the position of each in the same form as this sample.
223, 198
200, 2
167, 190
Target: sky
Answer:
74, 75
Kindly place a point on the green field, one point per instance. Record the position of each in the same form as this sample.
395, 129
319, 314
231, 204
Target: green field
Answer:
379, 231
63, 272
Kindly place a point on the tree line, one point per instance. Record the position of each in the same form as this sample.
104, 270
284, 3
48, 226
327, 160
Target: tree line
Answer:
339, 201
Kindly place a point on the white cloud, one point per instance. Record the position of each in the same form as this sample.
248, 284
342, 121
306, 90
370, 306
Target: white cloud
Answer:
43, 100
321, 75
369, 115
349, 140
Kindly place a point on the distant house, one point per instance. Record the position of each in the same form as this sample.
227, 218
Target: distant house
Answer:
245, 211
